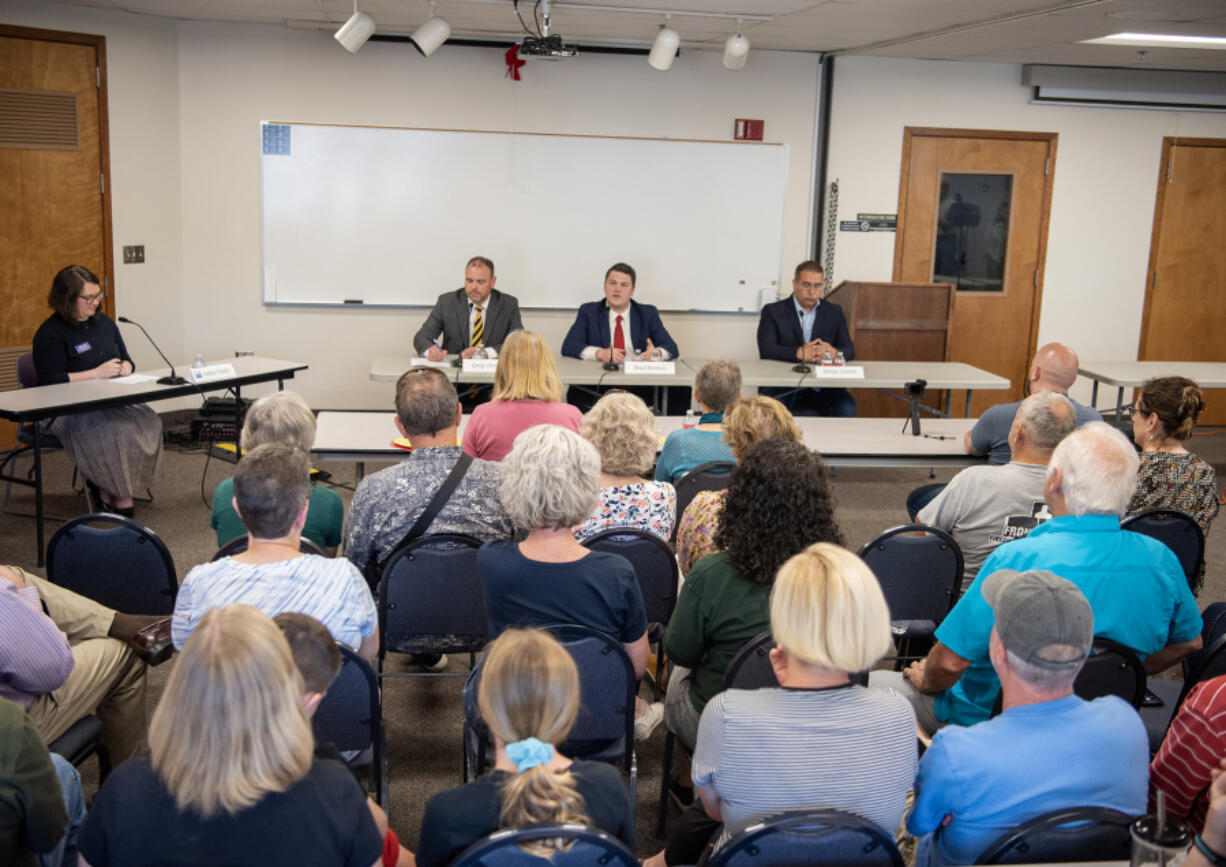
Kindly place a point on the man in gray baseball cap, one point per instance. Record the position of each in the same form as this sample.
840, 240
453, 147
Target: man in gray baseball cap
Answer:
1048, 749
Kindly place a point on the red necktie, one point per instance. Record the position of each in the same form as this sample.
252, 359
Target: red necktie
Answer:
619, 339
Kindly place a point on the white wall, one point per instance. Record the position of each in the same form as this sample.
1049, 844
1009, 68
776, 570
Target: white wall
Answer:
1102, 202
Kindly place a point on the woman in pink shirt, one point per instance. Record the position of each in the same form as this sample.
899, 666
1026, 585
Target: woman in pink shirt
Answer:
527, 392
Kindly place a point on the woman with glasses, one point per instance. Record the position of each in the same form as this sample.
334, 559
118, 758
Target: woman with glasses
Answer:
117, 450
1171, 477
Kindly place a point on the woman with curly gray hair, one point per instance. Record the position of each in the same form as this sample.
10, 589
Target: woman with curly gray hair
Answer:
624, 432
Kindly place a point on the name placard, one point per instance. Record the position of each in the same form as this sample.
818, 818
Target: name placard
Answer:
211, 372
852, 372
480, 365
650, 367
422, 361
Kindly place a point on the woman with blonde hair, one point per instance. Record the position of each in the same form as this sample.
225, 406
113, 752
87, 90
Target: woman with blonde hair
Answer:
1171, 477
282, 417
819, 740
529, 698
527, 392
746, 423
231, 778
624, 432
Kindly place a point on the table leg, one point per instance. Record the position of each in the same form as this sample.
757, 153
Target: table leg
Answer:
1094, 393
967, 412
238, 422
38, 494
359, 472
1119, 403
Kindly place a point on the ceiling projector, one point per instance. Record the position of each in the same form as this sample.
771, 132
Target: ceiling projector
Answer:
546, 48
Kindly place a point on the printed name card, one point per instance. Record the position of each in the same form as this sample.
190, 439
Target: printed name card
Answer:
212, 372
650, 367
480, 365
833, 372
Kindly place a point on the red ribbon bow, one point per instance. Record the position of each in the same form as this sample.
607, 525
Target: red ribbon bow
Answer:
513, 63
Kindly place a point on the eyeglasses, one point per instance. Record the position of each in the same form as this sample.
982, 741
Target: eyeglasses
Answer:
1131, 412
810, 286
92, 299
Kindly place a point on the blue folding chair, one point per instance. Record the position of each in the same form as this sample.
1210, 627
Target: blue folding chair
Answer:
711, 476
1179, 532
809, 839
350, 718
115, 561
582, 847
1068, 835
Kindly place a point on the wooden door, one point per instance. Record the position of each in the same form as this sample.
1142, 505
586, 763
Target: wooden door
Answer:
995, 320
1185, 303
54, 201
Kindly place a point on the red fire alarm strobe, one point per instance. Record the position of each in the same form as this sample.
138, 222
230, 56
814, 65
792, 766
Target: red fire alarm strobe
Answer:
748, 130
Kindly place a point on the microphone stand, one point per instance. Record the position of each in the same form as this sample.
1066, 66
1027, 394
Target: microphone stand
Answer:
173, 379
610, 365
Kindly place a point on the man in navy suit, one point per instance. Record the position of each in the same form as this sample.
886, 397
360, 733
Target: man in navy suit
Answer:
803, 328
618, 329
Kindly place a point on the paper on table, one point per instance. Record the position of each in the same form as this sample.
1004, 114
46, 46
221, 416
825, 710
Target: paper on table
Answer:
133, 378
421, 361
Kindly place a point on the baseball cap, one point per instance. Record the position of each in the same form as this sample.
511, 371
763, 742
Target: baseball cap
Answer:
1036, 610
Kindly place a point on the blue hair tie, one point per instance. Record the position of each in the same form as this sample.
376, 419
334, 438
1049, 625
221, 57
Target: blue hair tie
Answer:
529, 753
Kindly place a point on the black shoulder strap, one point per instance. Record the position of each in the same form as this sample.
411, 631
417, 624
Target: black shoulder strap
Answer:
440, 498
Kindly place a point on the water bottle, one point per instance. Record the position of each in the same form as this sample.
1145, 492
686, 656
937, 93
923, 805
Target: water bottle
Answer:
827, 361
691, 419
839, 360
199, 362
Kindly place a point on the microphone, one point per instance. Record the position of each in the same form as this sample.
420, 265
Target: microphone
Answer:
610, 365
165, 380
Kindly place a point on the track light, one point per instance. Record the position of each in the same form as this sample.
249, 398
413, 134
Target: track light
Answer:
664, 49
431, 35
354, 33
736, 51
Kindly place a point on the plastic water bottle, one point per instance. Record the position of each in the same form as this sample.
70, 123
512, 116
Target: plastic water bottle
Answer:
199, 362
839, 360
827, 361
691, 419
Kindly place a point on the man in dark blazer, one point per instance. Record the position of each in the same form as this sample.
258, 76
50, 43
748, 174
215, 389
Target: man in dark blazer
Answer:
802, 329
594, 336
477, 316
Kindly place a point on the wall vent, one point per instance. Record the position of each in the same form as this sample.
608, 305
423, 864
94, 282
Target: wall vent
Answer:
38, 119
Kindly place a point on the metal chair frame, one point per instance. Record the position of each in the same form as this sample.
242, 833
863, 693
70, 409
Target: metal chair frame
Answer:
745, 848
501, 848
373, 715
1017, 841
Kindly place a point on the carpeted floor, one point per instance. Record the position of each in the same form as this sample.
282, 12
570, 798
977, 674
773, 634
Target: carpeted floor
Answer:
422, 715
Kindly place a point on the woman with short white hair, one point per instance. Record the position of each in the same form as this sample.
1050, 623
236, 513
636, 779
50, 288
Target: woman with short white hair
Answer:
550, 481
282, 417
231, 778
819, 740
624, 432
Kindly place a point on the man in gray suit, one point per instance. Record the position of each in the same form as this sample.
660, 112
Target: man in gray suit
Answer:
475, 317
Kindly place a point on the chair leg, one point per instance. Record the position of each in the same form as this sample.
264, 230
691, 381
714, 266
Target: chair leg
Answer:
665, 772
104, 762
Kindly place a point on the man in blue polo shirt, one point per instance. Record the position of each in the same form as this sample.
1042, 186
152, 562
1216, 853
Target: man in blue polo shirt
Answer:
1134, 584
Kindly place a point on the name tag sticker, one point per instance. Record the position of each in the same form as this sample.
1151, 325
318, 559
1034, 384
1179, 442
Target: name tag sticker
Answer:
856, 372
212, 372
480, 365
657, 367
82, 348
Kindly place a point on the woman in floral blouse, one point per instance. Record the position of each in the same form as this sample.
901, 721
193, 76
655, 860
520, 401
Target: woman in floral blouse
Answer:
1170, 476
746, 422
624, 432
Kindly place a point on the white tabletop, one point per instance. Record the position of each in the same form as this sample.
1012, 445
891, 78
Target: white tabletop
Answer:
89, 394
1132, 374
363, 436
573, 371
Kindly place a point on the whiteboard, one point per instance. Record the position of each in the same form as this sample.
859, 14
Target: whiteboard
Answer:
387, 216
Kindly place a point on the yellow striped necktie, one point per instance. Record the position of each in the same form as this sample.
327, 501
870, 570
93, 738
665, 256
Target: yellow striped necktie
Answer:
478, 326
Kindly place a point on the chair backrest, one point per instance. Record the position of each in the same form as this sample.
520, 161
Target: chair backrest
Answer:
1072, 834
350, 715
1176, 530
751, 667
27, 374
239, 544
711, 476
588, 846
919, 569
1210, 663
606, 693
819, 837
654, 562
1113, 669
116, 561
431, 598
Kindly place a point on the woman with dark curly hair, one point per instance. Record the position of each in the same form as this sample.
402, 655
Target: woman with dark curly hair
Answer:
779, 503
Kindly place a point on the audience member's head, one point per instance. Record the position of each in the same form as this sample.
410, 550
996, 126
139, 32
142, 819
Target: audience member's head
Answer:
529, 697
1054, 368
526, 369
426, 402
1176, 401
623, 430
718, 384
229, 728
827, 610
1046, 417
755, 419
271, 487
1092, 471
314, 652
281, 417
1043, 629
779, 502
550, 479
